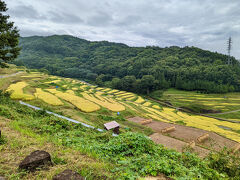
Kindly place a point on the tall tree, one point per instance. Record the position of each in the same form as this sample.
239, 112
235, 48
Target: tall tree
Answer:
9, 35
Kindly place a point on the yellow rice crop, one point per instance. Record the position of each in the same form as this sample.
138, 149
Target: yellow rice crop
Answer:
209, 98
162, 114
99, 88
156, 107
47, 97
74, 88
127, 96
109, 104
83, 87
70, 92
147, 104
120, 92
99, 93
31, 76
201, 122
17, 91
113, 91
188, 100
131, 98
156, 117
91, 90
230, 104
64, 86
153, 113
81, 103
107, 89
140, 100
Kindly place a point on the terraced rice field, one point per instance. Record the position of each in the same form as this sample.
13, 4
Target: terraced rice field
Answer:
16, 91
81, 103
107, 103
47, 97
222, 103
92, 99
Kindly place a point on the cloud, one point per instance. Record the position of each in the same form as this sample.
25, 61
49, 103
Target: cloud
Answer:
63, 17
25, 12
203, 23
99, 19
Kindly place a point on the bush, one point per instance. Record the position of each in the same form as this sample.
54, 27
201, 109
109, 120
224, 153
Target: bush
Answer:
225, 162
137, 155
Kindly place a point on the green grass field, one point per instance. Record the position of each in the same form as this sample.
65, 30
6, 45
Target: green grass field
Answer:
222, 103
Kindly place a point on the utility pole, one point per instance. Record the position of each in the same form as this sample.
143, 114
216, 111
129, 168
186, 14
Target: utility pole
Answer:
229, 44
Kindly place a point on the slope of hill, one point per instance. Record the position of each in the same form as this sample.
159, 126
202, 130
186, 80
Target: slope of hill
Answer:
136, 69
129, 155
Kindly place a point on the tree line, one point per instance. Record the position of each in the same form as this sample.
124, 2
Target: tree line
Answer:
136, 69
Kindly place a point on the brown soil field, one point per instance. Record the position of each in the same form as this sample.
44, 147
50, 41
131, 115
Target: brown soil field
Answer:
182, 135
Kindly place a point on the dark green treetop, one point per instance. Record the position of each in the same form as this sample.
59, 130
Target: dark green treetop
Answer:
9, 35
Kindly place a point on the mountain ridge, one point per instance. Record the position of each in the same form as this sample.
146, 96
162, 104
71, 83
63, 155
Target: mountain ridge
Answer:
113, 64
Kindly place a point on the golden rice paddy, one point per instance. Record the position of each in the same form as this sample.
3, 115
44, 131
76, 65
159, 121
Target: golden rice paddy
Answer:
107, 103
112, 91
147, 104
47, 97
16, 91
156, 107
54, 81
140, 100
81, 103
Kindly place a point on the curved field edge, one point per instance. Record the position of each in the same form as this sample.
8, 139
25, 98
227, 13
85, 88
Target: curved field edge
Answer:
130, 155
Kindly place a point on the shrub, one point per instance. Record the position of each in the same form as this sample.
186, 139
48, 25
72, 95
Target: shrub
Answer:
225, 162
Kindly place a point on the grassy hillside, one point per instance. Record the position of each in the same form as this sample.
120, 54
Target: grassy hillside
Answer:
136, 69
131, 155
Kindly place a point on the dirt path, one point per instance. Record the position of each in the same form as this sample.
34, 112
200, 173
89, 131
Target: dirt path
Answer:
182, 135
10, 75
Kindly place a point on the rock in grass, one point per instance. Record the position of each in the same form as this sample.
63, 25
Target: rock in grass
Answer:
68, 175
36, 159
2, 178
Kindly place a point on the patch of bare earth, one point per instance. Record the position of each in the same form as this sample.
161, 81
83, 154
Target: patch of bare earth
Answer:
182, 135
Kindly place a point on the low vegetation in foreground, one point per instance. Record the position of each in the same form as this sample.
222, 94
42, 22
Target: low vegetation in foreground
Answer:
130, 155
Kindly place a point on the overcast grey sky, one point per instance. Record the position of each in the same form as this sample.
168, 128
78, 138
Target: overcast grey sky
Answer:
202, 23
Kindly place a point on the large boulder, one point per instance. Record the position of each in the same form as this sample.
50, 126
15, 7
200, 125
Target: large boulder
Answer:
36, 159
68, 175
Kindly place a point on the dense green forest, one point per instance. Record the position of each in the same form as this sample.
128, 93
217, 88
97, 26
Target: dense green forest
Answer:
137, 69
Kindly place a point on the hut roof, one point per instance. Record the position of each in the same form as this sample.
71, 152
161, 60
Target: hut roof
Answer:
111, 125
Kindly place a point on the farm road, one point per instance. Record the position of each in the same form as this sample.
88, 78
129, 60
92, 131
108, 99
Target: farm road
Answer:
5, 76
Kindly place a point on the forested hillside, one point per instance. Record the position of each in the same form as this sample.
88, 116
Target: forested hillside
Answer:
137, 69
